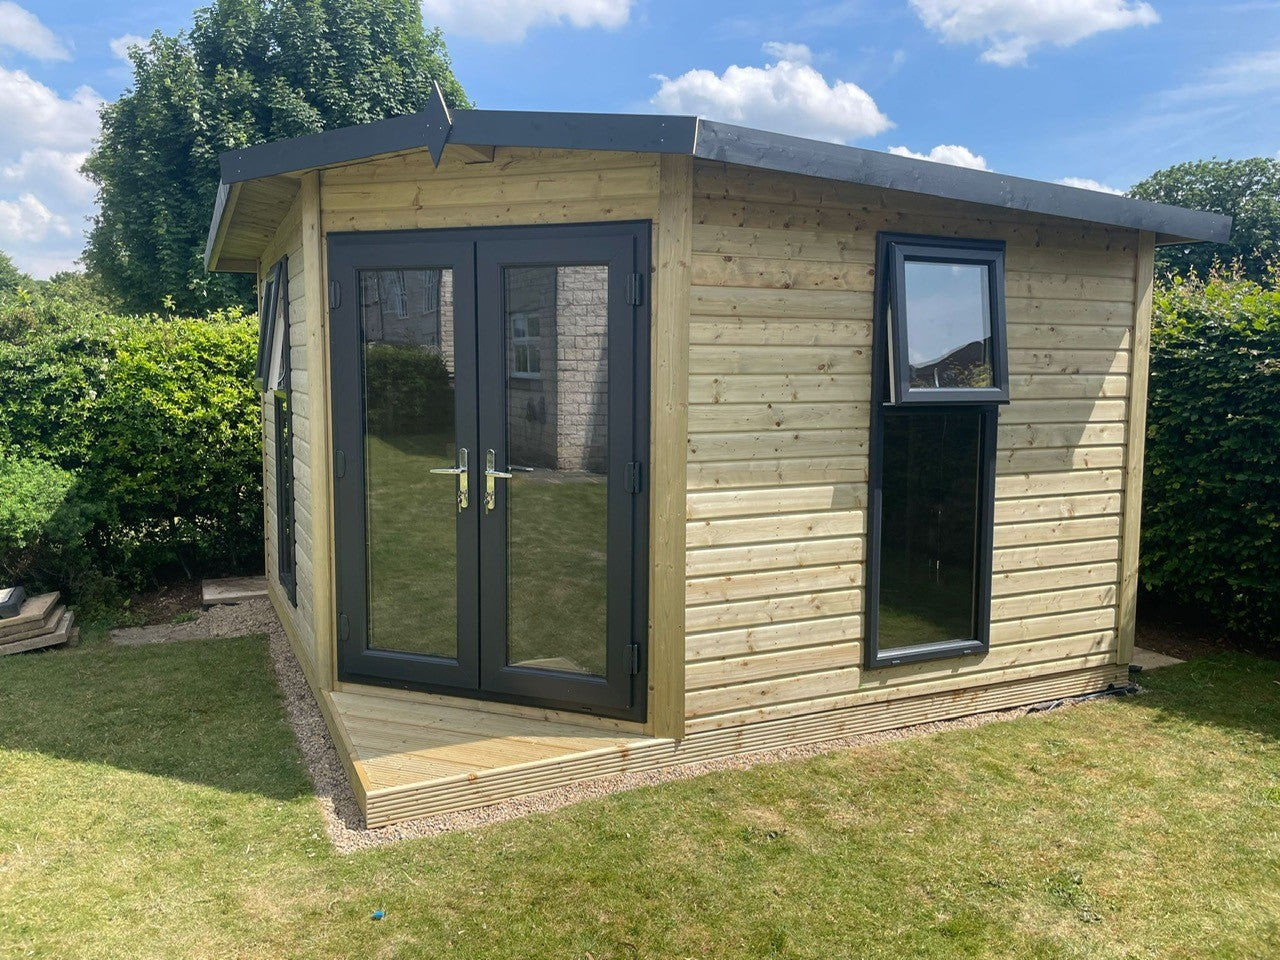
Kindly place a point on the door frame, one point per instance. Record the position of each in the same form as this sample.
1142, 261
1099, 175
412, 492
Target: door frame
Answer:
347, 254
352, 251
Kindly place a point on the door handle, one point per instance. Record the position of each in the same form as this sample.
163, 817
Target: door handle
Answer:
491, 474
463, 473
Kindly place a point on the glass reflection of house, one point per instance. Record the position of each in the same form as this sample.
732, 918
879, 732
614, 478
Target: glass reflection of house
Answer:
967, 366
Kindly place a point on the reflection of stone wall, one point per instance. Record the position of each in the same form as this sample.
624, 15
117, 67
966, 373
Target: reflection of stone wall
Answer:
446, 317
559, 420
532, 407
582, 306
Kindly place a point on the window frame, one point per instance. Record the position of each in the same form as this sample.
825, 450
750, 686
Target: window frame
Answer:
883, 402
275, 320
267, 325
897, 251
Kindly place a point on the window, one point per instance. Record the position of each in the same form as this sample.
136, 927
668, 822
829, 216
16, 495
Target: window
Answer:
526, 346
946, 304
274, 378
940, 371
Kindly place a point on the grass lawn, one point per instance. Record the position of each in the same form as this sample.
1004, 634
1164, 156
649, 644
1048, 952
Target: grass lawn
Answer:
152, 805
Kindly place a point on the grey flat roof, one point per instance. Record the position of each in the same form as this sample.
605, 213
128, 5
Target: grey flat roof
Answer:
433, 128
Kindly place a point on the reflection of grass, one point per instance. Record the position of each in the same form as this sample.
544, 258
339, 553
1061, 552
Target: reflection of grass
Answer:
557, 570
412, 546
915, 610
557, 557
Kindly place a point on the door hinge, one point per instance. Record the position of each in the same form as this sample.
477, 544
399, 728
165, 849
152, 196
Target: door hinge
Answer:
635, 477
635, 289
635, 659
335, 294
339, 464
344, 627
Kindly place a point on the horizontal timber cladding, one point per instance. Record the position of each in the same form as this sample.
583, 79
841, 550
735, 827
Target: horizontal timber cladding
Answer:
519, 186
781, 313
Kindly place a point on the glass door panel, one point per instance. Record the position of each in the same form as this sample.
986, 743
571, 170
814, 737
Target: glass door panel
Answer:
564, 596
406, 322
404, 428
556, 327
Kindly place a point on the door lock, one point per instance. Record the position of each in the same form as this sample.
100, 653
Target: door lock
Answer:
463, 473
491, 474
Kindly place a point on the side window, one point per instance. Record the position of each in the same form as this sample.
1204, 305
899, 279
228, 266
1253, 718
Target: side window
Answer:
946, 318
940, 371
274, 379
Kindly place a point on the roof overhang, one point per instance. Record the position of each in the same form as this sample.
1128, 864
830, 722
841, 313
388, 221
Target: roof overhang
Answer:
432, 129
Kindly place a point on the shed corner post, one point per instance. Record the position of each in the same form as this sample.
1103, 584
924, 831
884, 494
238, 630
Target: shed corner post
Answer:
317, 317
669, 419
1135, 446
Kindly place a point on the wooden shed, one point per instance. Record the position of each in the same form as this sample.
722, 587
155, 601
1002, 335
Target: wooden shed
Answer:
600, 443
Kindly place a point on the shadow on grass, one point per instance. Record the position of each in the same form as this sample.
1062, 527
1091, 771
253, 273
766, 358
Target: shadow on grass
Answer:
204, 711
1226, 689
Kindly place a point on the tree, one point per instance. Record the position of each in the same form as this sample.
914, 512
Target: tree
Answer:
1248, 190
249, 71
11, 278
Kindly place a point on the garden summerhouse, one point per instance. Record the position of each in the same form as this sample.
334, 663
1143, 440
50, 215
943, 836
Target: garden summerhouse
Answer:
600, 443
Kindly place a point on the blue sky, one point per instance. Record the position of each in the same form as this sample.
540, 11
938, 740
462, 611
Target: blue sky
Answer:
1097, 92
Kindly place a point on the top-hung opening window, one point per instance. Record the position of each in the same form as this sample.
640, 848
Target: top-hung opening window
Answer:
947, 333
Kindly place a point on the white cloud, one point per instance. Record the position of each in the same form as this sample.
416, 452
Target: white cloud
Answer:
510, 20
1010, 29
1084, 183
951, 153
21, 30
27, 220
1243, 75
44, 200
120, 45
788, 96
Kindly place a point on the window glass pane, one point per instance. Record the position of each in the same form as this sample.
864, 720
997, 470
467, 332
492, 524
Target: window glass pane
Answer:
948, 309
557, 347
280, 340
929, 527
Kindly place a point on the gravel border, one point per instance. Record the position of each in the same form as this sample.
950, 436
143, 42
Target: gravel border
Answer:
345, 823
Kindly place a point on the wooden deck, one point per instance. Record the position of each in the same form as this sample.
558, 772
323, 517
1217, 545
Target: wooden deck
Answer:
410, 758
413, 758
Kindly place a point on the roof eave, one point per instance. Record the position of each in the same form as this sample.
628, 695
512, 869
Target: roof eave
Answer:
710, 140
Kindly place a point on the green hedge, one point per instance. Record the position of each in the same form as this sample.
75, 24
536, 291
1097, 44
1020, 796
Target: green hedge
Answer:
154, 423
1211, 517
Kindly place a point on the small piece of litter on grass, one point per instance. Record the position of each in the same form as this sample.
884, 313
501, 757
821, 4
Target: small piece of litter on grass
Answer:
378, 914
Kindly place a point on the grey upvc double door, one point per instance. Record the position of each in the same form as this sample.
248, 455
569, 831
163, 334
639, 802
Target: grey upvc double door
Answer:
490, 399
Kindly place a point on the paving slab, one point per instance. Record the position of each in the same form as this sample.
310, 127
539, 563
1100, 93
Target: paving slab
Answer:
1150, 660
232, 590
33, 628
65, 631
35, 610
